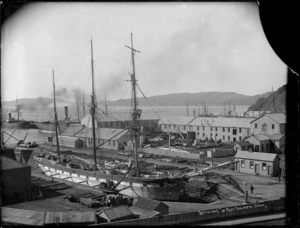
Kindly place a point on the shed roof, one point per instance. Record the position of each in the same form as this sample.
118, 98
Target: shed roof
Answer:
276, 136
72, 130
143, 213
256, 155
70, 217
8, 163
24, 217
102, 133
222, 122
277, 117
115, 213
178, 120
244, 143
147, 204
261, 137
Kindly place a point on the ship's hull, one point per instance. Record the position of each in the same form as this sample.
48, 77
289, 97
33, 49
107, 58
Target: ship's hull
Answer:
48, 126
19, 124
90, 178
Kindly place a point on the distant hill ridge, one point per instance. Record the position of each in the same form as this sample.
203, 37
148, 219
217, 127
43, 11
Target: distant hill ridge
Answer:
267, 103
174, 99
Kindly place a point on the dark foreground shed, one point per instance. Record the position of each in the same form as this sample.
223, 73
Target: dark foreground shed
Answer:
145, 207
15, 176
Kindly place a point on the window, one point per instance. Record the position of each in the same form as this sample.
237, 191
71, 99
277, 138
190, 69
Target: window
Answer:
198, 128
243, 163
264, 127
211, 129
216, 128
203, 134
273, 126
165, 126
240, 130
184, 127
50, 139
216, 134
223, 137
234, 131
255, 126
264, 166
190, 128
210, 134
240, 138
113, 142
251, 164
229, 129
90, 141
203, 128
223, 129
228, 138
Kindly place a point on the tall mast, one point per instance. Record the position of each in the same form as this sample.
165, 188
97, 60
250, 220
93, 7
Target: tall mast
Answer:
18, 108
106, 113
136, 112
224, 109
93, 108
187, 107
77, 106
83, 104
55, 119
273, 100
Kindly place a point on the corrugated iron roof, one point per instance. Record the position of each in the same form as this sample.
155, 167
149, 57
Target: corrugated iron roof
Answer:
222, 122
147, 204
255, 155
72, 130
102, 133
144, 213
8, 163
70, 217
278, 117
244, 143
276, 136
119, 212
178, 120
25, 217
261, 137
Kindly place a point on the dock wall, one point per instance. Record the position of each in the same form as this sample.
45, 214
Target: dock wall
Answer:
211, 215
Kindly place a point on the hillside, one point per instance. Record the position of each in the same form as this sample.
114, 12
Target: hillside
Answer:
195, 99
175, 99
266, 103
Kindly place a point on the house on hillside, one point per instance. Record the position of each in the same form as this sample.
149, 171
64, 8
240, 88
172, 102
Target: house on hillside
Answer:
257, 163
269, 124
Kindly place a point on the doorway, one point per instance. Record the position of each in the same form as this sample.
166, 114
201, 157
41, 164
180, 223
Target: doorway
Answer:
256, 168
269, 170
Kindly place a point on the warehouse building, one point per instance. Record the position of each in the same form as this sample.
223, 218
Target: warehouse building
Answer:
257, 163
148, 121
269, 124
226, 129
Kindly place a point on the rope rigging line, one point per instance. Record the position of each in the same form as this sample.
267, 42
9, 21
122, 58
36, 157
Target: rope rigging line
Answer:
154, 109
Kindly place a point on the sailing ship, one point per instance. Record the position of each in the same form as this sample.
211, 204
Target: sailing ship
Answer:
132, 182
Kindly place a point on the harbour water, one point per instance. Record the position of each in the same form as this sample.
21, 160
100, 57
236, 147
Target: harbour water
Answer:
47, 114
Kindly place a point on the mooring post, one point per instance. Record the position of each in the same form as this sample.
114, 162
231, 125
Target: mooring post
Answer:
246, 198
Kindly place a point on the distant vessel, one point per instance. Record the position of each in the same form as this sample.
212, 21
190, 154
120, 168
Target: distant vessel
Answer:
11, 122
131, 182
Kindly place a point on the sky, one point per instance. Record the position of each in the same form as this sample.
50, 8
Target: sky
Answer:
184, 47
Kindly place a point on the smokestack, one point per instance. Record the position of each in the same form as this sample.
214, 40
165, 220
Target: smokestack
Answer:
66, 113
